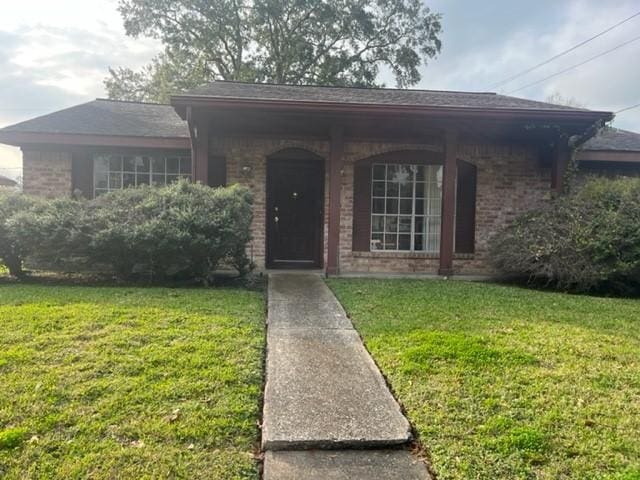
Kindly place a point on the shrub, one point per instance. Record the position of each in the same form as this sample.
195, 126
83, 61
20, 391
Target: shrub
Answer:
183, 230
55, 233
12, 251
586, 241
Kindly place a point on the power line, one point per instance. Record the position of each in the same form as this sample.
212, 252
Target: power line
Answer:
549, 60
627, 108
635, 39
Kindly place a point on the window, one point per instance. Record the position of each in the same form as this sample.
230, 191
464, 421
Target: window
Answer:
115, 171
406, 207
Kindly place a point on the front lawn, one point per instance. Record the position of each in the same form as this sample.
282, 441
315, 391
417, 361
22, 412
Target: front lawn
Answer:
503, 382
129, 383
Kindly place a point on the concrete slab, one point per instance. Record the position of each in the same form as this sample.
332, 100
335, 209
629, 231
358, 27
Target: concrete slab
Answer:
323, 390
344, 465
299, 289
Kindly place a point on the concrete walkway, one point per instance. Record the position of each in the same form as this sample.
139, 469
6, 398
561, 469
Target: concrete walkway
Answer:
325, 399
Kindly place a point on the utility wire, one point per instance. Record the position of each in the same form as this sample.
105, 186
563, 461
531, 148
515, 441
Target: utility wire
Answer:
549, 60
627, 108
635, 39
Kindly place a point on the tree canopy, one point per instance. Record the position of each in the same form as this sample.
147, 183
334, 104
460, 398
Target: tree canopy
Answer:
322, 42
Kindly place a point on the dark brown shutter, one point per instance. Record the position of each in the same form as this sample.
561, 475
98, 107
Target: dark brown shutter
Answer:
82, 173
362, 207
466, 208
217, 171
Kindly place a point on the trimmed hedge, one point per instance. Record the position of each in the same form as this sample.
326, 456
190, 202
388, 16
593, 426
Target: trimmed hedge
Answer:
181, 231
588, 240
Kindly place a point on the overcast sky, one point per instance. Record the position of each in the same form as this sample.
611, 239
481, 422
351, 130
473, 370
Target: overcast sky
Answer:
54, 54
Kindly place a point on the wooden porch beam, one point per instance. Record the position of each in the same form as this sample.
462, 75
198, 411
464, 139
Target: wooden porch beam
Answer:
448, 203
199, 128
562, 155
336, 164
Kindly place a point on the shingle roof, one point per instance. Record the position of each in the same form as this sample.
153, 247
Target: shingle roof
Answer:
109, 117
614, 139
368, 96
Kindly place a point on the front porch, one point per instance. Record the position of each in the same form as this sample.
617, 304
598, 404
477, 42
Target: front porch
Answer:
488, 172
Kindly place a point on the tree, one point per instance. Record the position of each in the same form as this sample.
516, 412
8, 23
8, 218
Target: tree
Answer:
325, 42
558, 99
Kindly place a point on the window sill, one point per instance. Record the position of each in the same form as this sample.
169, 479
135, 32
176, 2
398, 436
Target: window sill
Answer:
424, 255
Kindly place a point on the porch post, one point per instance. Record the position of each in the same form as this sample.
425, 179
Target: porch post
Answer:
448, 203
336, 163
199, 128
560, 165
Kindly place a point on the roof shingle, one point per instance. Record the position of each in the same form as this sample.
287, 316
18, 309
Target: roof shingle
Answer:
368, 96
109, 117
614, 139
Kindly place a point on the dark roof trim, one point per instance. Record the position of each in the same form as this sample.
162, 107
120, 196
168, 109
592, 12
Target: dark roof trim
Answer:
608, 156
21, 139
182, 101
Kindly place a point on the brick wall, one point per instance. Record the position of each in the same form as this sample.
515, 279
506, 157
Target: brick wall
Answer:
46, 173
509, 181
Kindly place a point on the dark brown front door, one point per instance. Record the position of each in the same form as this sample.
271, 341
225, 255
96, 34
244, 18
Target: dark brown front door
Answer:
295, 192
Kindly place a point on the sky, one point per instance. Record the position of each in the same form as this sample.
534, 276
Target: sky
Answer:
55, 54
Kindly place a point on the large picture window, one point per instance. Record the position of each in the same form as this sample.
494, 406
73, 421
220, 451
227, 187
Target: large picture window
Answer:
406, 203
115, 171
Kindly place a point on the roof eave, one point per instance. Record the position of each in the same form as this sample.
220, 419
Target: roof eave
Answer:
21, 139
181, 101
630, 156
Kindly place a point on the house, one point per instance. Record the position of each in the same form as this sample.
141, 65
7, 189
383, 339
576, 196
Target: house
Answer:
611, 152
344, 179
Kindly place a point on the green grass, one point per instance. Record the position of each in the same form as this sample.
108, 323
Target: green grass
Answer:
129, 382
503, 382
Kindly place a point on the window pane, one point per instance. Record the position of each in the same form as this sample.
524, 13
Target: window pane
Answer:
157, 179
405, 206
376, 241
129, 164
418, 242
173, 165
101, 180
185, 165
404, 242
419, 206
392, 172
419, 173
377, 223
128, 179
406, 189
143, 179
419, 190
115, 180
392, 189
172, 179
142, 164
405, 224
392, 206
378, 189
378, 205
391, 224
101, 163
419, 225
115, 163
390, 242
378, 172
157, 165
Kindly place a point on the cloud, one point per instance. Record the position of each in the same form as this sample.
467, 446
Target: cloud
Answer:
56, 55
484, 44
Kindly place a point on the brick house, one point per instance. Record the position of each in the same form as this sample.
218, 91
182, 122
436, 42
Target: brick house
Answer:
344, 179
